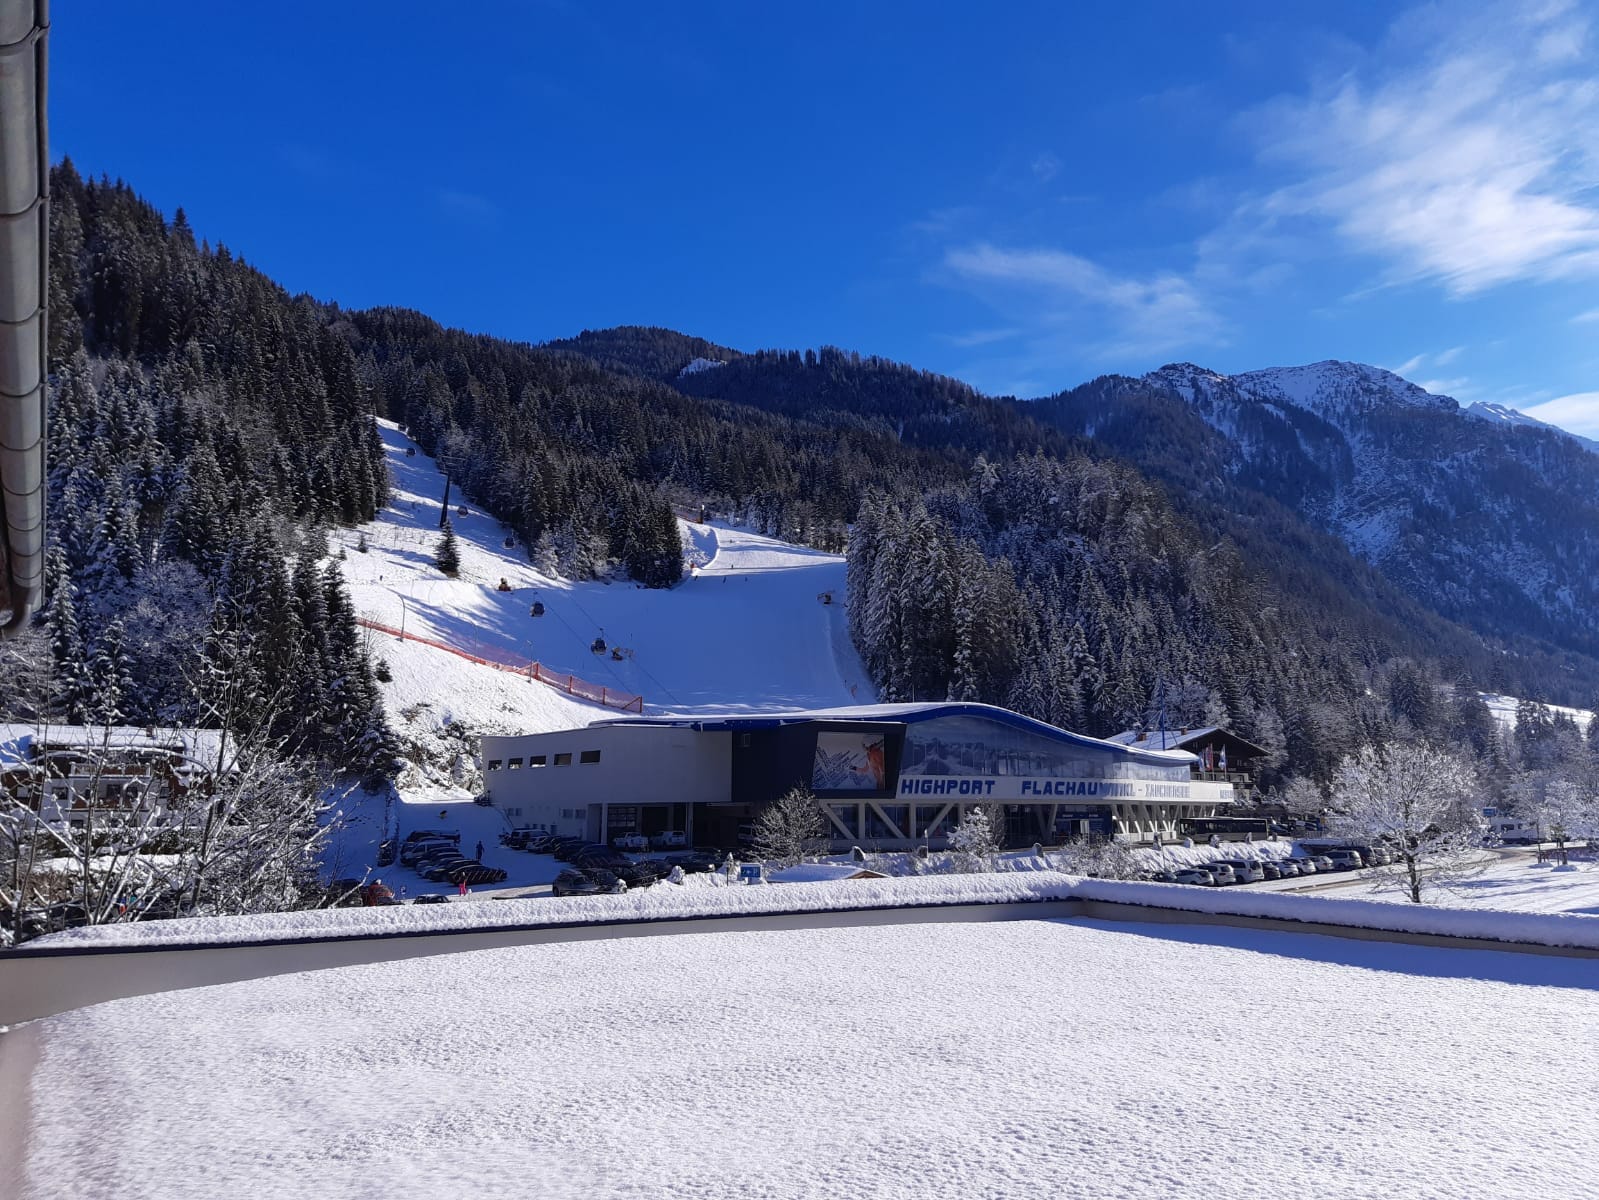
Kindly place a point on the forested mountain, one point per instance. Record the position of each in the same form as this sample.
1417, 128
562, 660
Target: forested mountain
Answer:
1073, 558
203, 424
1494, 525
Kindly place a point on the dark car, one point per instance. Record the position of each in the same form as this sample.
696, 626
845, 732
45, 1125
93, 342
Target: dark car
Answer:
574, 883
604, 878
694, 860
431, 898
542, 843
438, 872
1270, 869
473, 872
602, 858
568, 849
636, 875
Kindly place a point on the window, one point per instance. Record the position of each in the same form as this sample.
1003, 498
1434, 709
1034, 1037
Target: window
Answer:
563, 760
494, 764
589, 756
536, 760
513, 812
514, 765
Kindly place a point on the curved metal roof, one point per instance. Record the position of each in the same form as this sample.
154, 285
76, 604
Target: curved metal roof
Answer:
904, 714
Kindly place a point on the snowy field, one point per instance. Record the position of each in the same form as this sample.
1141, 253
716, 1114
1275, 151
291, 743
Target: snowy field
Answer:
1515, 883
1023, 1059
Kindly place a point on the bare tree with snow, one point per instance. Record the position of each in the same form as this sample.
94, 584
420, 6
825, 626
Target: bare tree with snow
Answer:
1416, 799
1103, 859
792, 828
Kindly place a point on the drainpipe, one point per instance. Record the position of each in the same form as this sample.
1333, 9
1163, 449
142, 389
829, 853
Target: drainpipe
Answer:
24, 300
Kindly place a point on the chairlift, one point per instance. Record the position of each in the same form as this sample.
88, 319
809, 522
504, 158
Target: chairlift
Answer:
462, 511
505, 585
410, 452
825, 597
598, 645
616, 654
537, 610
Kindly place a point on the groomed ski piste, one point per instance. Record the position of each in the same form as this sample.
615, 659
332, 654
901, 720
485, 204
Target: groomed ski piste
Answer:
745, 629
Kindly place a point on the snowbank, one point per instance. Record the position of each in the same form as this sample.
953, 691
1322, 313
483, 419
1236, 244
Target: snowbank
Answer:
1544, 929
665, 902
661, 902
1170, 857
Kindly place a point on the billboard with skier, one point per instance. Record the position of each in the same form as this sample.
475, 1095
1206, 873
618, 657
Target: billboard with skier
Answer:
849, 761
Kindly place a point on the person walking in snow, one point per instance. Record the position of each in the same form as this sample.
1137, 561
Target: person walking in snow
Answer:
461, 888
480, 852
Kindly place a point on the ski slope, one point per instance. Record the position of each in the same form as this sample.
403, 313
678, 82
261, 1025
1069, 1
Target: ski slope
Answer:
743, 631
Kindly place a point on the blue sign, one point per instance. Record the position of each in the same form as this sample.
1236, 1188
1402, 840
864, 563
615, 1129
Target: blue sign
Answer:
749, 873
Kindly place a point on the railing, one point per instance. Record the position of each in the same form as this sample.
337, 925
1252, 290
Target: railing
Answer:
560, 680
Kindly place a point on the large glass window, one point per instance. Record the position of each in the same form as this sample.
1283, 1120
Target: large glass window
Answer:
964, 746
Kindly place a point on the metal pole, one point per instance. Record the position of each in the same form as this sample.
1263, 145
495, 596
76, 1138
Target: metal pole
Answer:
24, 303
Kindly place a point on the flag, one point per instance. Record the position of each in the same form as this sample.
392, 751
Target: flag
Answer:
1223, 758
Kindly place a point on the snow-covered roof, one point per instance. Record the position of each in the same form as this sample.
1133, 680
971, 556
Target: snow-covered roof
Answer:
18, 741
908, 713
1176, 739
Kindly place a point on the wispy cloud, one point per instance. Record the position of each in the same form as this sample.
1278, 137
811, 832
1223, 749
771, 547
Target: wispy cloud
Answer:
1586, 318
1126, 314
1464, 152
980, 337
1442, 358
1578, 412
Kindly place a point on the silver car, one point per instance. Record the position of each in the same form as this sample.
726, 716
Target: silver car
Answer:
1244, 871
1195, 875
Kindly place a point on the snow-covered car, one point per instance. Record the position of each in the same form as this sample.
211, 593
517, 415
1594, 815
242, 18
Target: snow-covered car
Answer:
574, 883
1345, 860
1194, 875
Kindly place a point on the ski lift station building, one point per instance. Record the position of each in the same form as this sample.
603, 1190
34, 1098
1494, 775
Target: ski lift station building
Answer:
893, 776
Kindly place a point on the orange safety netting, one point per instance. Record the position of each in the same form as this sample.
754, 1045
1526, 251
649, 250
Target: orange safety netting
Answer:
570, 684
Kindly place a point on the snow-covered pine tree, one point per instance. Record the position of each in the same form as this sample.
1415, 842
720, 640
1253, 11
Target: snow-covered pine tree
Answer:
447, 555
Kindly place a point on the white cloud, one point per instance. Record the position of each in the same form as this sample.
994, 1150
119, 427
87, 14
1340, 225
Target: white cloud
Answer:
1441, 359
1046, 166
1578, 412
1584, 318
1125, 314
1465, 151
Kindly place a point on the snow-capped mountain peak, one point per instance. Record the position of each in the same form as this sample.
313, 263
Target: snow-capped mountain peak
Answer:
1500, 414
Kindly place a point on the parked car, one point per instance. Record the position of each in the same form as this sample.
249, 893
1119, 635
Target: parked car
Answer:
344, 893
544, 843
428, 835
1270, 870
1161, 877
606, 880
1194, 875
694, 860
631, 841
377, 894
636, 875
438, 870
671, 839
413, 852
1288, 868
603, 857
1323, 863
1305, 866
472, 872
431, 898
1345, 860
574, 883
1222, 873
1243, 870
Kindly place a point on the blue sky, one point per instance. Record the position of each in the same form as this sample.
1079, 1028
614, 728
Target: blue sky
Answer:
1024, 196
